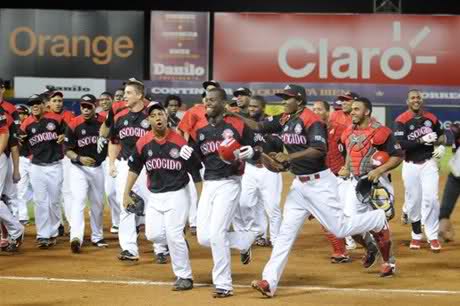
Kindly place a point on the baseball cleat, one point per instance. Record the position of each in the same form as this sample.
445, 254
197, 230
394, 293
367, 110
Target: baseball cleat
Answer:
126, 255
101, 244
387, 270
246, 257
75, 245
222, 293
61, 230
114, 229
183, 284
263, 287
14, 244
52, 242
43, 243
435, 246
415, 244
338, 259
370, 258
404, 219
161, 258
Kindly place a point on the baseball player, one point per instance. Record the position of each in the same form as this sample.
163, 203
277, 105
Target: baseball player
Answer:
10, 224
243, 96
314, 189
118, 95
55, 105
13, 174
105, 103
451, 189
43, 133
86, 173
221, 189
363, 140
128, 126
335, 160
166, 158
418, 131
173, 104
24, 187
261, 189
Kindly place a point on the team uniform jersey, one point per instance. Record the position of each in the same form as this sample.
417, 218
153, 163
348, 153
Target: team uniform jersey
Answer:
210, 136
67, 117
166, 170
126, 130
41, 137
81, 137
409, 127
11, 110
113, 111
191, 118
361, 144
335, 158
340, 117
298, 133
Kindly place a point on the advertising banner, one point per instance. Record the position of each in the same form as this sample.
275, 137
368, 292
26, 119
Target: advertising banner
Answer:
59, 43
320, 48
381, 95
25, 87
179, 44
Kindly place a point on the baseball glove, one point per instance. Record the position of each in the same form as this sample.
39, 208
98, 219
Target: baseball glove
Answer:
376, 195
137, 207
269, 161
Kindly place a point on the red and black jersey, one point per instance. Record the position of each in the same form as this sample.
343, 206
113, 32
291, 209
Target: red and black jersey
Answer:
298, 133
115, 108
340, 117
67, 117
41, 137
335, 158
166, 170
409, 127
11, 110
191, 119
127, 128
81, 137
361, 144
8, 124
209, 136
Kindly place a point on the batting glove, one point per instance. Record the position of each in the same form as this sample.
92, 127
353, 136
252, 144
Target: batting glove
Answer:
245, 152
101, 142
186, 152
439, 152
429, 138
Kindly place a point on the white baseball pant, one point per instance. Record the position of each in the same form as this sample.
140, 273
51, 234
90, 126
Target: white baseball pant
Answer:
317, 197
216, 209
66, 190
14, 228
87, 182
10, 189
46, 183
261, 192
111, 193
127, 235
168, 212
24, 188
193, 194
421, 182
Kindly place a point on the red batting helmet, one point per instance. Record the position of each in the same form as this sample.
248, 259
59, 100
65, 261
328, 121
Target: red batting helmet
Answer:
379, 158
227, 149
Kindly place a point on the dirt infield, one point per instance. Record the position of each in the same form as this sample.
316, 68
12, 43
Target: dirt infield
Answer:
96, 277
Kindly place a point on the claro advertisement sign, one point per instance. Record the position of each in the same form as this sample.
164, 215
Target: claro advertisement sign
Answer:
59, 43
379, 49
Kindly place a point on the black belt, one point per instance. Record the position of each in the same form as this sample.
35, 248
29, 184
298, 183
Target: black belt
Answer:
418, 162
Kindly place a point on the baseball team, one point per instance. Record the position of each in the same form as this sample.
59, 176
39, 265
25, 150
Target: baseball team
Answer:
150, 166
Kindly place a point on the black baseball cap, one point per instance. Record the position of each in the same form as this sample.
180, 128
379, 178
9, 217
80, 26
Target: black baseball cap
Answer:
34, 99
88, 99
211, 82
22, 109
348, 96
155, 105
242, 91
293, 91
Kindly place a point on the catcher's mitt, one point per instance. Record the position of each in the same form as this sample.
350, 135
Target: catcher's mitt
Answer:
376, 195
137, 207
268, 160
